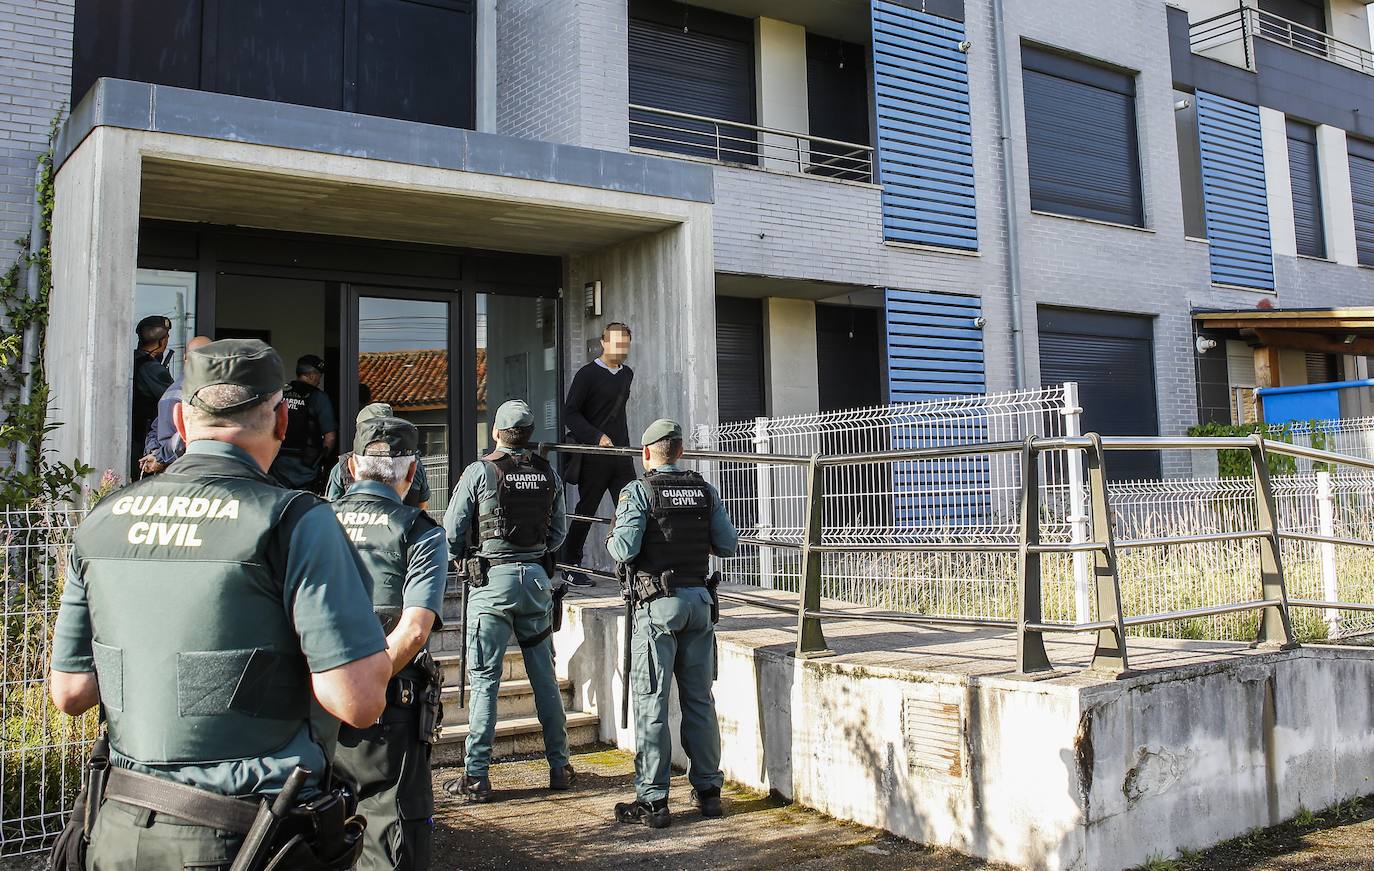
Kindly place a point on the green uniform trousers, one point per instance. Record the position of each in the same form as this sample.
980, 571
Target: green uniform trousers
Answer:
127, 838
389, 765
674, 638
517, 599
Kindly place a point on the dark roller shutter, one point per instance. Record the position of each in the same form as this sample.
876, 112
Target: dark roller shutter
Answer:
690, 60
1112, 359
1307, 195
739, 358
1362, 193
1081, 139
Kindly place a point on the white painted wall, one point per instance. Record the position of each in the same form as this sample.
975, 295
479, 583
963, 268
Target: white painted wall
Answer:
780, 87
1348, 20
789, 327
1338, 211
1278, 182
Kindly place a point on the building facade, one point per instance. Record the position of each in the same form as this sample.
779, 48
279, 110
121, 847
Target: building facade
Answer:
799, 206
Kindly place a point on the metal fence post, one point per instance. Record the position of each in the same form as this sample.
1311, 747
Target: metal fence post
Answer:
1110, 653
1326, 525
1275, 626
1078, 510
810, 636
1030, 644
763, 488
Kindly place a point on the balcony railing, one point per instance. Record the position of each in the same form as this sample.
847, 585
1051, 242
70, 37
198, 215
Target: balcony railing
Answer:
1230, 37
764, 147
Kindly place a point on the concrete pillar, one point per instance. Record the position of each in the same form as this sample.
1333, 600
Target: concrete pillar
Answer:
89, 355
780, 76
793, 373
1278, 181
1338, 211
485, 85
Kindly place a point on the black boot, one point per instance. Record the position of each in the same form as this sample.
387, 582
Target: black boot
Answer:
708, 801
562, 778
473, 789
653, 814
578, 579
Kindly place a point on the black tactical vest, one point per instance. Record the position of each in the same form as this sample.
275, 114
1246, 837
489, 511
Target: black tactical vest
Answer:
195, 653
303, 436
144, 407
382, 530
677, 533
520, 507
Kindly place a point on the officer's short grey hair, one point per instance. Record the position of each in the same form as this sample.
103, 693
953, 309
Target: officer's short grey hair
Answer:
257, 418
665, 450
384, 470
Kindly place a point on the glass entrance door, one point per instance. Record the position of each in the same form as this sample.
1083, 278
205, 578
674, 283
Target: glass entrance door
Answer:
402, 341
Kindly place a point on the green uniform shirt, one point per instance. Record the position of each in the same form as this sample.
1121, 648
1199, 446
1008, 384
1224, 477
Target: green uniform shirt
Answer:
461, 515
632, 515
427, 559
328, 603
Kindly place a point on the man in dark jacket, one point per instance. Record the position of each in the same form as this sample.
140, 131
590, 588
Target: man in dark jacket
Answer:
151, 380
595, 415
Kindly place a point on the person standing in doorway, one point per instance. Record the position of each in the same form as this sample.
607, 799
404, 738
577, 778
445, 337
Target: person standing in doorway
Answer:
151, 380
312, 430
163, 444
595, 415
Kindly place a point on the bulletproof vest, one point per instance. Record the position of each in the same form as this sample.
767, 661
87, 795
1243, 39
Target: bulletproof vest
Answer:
194, 649
412, 495
519, 504
302, 432
677, 533
382, 531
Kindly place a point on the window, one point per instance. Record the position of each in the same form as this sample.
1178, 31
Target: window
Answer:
1081, 139
1189, 165
1307, 194
1362, 195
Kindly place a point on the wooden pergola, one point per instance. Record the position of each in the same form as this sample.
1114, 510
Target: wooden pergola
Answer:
1322, 330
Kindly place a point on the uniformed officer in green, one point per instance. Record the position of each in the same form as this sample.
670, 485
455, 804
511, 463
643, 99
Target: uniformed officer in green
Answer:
312, 430
406, 556
508, 511
222, 622
341, 477
666, 526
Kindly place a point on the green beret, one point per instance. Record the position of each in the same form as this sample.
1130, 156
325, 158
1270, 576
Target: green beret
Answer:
400, 437
247, 363
513, 413
376, 409
661, 429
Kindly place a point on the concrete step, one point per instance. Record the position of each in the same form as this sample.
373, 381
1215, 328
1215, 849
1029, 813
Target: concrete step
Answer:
513, 667
515, 737
515, 700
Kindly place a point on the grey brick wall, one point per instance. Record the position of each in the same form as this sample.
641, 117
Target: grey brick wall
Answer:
35, 80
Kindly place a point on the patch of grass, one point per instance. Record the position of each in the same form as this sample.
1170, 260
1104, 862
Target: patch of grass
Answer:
1305, 818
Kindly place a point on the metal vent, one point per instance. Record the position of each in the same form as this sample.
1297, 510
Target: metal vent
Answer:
934, 735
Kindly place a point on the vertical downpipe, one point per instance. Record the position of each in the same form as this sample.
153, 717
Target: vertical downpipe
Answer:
37, 240
1009, 197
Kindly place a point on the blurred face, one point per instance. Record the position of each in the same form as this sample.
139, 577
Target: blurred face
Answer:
615, 348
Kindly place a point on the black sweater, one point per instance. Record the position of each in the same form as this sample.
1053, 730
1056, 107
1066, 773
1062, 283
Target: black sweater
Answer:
596, 404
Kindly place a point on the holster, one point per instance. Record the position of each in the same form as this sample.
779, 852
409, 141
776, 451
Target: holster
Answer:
475, 570
712, 582
559, 593
323, 835
649, 587
69, 851
430, 713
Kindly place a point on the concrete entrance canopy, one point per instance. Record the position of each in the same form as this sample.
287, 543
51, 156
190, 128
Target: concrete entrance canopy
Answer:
133, 151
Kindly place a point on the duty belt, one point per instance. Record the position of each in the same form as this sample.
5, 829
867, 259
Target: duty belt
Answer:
189, 803
404, 692
677, 584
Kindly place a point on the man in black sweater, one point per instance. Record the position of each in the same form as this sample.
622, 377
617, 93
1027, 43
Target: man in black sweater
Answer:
594, 414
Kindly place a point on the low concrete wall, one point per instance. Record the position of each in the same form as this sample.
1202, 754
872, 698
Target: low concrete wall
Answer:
1069, 773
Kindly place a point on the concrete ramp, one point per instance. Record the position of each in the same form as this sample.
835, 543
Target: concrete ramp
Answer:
929, 734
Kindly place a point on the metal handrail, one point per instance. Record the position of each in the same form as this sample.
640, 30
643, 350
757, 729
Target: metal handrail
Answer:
1110, 652
1247, 23
799, 153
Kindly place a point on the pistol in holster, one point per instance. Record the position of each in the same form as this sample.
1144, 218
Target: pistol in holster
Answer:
69, 851
712, 583
429, 713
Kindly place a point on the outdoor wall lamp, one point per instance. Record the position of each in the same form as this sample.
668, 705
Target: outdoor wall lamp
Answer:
1204, 344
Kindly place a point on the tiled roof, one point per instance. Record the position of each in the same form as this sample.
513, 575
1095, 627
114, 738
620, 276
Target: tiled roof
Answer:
409, 380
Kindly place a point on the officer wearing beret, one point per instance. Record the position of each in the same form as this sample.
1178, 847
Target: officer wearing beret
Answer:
406, 556
666, 527
151, 380
505, 520
312, 428
205, 609
341, 478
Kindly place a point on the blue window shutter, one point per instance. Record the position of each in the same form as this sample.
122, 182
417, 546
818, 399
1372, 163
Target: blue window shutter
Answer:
934, 348
1233, 192
925, 139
